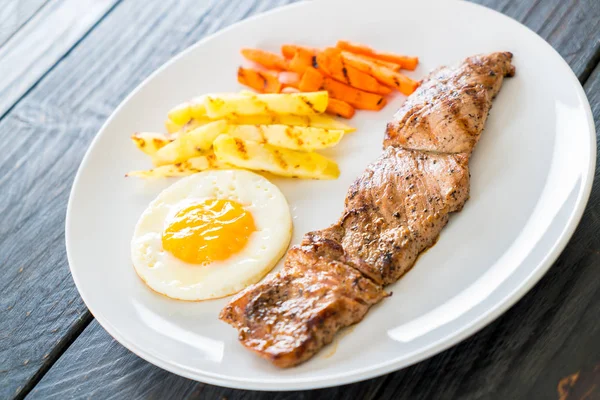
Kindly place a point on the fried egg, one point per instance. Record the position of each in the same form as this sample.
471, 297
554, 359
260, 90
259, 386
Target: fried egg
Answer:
211, 234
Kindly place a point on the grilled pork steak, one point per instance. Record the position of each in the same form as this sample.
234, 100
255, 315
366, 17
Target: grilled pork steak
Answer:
397, 209
288, 317
393, 212
446, 114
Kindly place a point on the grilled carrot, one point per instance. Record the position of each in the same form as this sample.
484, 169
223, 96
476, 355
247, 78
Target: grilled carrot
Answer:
355, 97
384, 75
311, 81
302, 59
289, 50
406, 62
387, 64
340, 108
259, 80
265, 58
333, 65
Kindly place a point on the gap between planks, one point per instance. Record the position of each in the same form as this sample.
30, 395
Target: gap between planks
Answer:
56, 352
17, 14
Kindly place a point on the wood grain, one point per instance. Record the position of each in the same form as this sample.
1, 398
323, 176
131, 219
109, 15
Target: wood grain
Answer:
42, 41
46, 134
16, 13
96, 366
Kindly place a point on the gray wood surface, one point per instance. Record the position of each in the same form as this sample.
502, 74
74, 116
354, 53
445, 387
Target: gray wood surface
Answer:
572, 27
16, 13
46, 133
42, 41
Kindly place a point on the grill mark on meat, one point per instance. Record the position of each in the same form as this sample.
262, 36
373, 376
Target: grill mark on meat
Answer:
450, 100
289, 316
393, 213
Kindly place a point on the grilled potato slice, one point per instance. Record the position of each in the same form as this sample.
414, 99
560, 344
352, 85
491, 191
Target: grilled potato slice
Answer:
263, 157
181, 114
172, 127
184, 112
184, 168
189, 144
197, 107
190, 126
231, 105
322, 121
290, 137
150, 142
314, 121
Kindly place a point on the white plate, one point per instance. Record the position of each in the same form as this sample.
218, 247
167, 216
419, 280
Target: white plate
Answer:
531, 177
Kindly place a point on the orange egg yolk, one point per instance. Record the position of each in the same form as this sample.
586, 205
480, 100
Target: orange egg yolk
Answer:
212, 230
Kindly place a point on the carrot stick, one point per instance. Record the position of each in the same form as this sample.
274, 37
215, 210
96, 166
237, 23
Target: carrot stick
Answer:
387, 64
384, 75
311, 81
355, 97
333, 65
259, 80
289, 79
405, 61
340, 108
302, 59
289, 50
265, 58
322, 64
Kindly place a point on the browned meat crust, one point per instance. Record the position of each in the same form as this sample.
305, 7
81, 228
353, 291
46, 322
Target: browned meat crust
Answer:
288, 317
446, 114
393, 212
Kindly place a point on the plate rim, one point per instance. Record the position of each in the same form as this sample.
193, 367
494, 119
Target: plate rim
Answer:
477, 323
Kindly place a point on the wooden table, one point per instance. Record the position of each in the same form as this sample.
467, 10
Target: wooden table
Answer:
64, 67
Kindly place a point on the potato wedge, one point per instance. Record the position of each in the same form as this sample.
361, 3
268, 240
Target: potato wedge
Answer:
171, 126
184, 168
197, 107
263, 157
322, 121
231, 105
150, 142
190, 126
299, 138
181, 114
174, 130
189, 144
315, 121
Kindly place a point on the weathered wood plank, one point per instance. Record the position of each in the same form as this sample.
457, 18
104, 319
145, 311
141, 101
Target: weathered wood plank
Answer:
572, 27
16, 13
42, 41
44, 138
116, 373
77, 376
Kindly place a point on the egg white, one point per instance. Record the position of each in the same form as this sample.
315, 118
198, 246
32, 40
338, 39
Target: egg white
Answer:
168, 275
